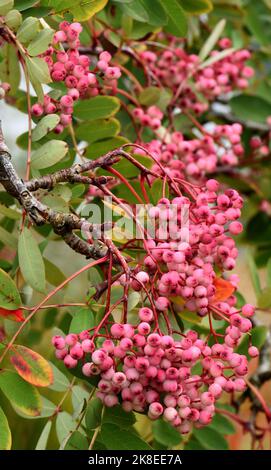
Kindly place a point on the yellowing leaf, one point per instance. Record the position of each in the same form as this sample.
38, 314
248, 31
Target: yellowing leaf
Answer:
81, 9
31, 366
197, 7
5, 434
85, 9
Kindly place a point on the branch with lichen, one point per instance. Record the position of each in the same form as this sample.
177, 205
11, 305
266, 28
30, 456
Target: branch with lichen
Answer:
40, 214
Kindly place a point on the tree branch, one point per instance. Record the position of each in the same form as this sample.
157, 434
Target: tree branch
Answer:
39, 214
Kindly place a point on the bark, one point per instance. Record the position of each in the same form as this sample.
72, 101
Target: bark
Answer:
39, 213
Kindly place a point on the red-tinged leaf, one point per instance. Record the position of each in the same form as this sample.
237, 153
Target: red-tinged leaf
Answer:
15, 315
224, 289
31, 366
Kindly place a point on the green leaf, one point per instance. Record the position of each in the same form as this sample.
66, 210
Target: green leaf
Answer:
264, 299
193, 444
53, 274
211, 438
30, 261
10, 213
149, 95
257, 338
49, 154
118, 416
77, 441
250, 108
13, 19
41, 42
197, 7
133, 299
99, 129
136, 10
97, 108
45, 125
10, 67
256, 19
254, 274
38, 70
224, 425
31, 366
151, 12
115, 438
22, 395
177, 21
28, 30
163, 432
140, 30
79, 399
83, 319
43, 439
268, 272
93, 416
212, 40
100, 148
22, 5
8, 238
6, 6
60, 382
9, 295
5, 434
64, 425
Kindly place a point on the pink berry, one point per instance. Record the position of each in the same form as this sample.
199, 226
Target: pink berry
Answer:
253, 351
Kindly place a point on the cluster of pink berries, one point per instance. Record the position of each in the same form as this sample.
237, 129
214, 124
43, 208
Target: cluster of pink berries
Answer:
195, 158
147, 371
175, 66
73, 70
192, 240
151, 118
